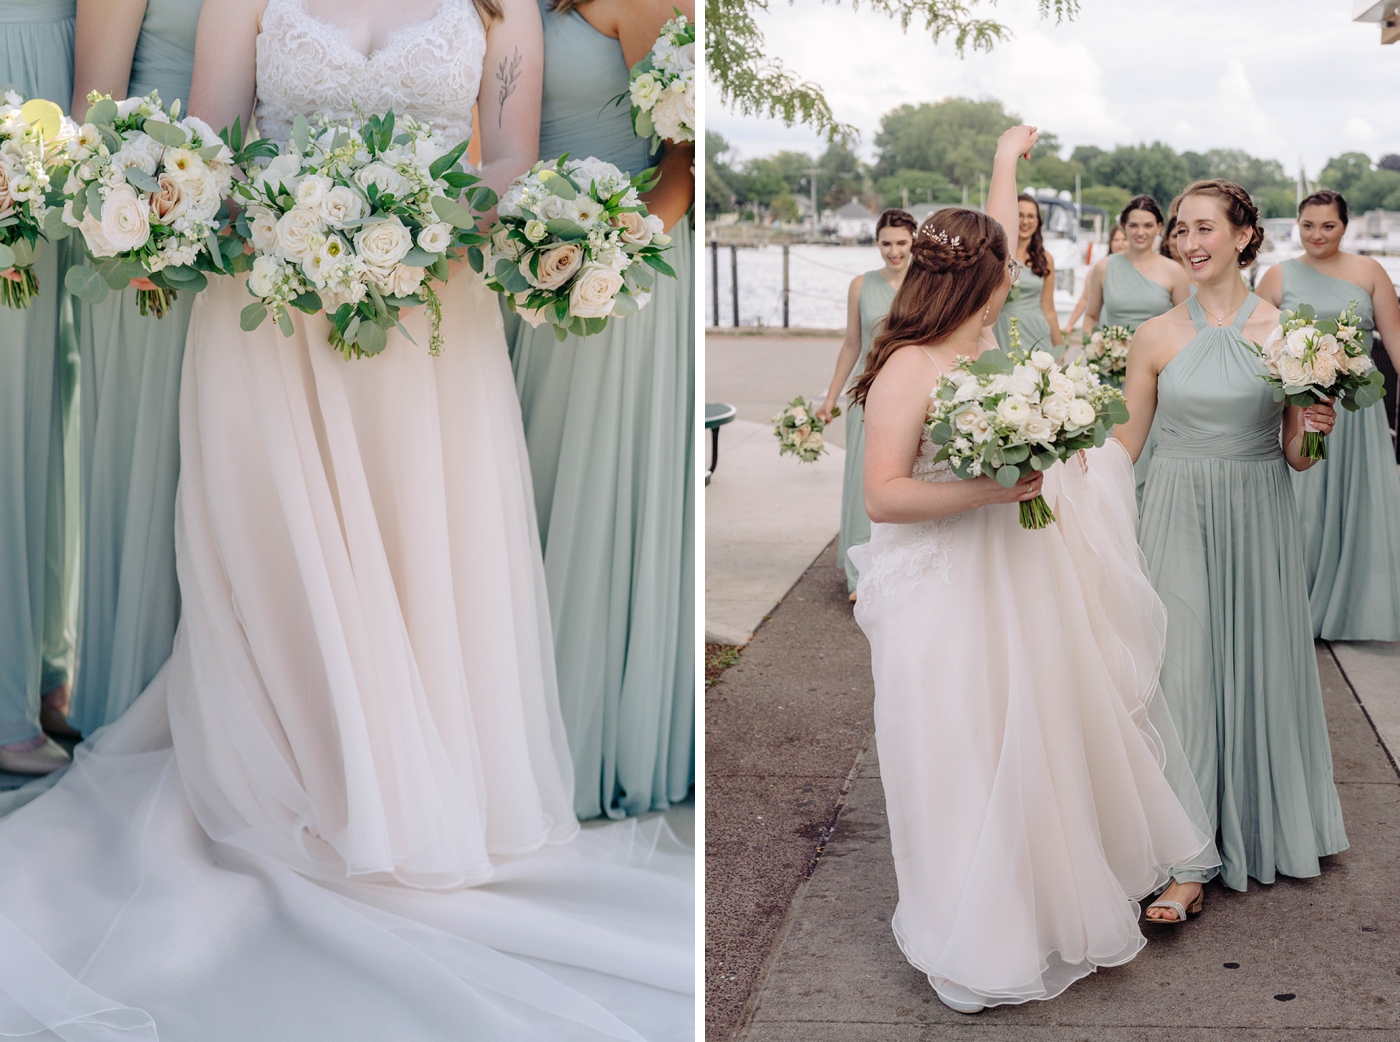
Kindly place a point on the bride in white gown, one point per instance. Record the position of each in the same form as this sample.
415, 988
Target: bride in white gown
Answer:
1034, 783
343, 810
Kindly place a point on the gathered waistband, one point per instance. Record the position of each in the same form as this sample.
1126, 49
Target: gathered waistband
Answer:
15, 11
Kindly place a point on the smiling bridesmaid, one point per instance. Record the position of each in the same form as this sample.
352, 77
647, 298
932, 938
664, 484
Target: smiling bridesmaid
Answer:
130, 396
1349, 503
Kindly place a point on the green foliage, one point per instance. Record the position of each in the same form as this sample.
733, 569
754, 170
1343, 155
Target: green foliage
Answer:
755, 84
1108, 197
1345, 170
784, 208
955, 137
1277, 201
924, 187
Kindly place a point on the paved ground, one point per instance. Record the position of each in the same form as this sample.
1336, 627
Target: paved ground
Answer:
800, 886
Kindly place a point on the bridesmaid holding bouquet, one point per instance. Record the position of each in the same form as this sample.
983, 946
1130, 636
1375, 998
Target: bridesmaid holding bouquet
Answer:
1220, 535
608, 426
130, 395
866, 305
1348, 504
38, 377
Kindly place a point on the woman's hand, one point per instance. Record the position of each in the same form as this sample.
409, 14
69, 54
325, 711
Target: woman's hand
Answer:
1022, 492
1018, 141
12, 274
145, 284
1321, 417
824, 410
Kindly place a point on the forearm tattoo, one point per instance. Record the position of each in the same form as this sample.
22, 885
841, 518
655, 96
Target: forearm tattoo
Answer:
508, 76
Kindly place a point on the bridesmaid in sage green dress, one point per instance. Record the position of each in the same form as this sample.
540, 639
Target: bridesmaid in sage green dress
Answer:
867, 302
1220, 535
1034, 292
1349, 503
608, 425
130, 397
37, 382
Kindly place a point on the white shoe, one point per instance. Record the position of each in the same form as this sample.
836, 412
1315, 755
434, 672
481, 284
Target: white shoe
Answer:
956, 1005
43, 759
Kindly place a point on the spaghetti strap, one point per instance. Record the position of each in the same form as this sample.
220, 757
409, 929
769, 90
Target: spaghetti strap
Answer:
933, 360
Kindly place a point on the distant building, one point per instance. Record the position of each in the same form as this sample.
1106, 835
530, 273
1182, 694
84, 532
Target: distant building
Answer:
1384, 12
852, 220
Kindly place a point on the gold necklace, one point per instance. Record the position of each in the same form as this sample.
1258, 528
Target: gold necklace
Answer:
1221, 321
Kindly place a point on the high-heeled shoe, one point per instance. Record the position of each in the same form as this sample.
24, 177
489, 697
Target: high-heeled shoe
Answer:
1183, 912
956, 1005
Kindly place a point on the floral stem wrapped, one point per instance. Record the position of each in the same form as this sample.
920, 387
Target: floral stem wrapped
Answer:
1311, 360
358, 222
148, 191
1004, 416
798, 429
662, 86
33, 154
573, 244
1107, 351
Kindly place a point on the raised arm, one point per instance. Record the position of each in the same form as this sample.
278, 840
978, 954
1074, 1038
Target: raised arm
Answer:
850, 350
1387, 309
1001, 194
104, 43
637, 32
226, 62
509, 102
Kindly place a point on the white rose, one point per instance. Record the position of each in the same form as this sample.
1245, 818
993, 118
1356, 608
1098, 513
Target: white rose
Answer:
7, 192
1056, 407
536, 231
1358, 364
1024, 381
1061, 384
685, 57
342, 204
263, 225
644, 91
400, 281
435, 238
1327, 344
299, 233
551, 207
283, 170
312, 190
1043, 360
263, 278
556, 266
592, 295
1081, 413
674, 115
1292, 371
1296, 342
1037, 428
386, 178
383, 243
968, 420
125, 219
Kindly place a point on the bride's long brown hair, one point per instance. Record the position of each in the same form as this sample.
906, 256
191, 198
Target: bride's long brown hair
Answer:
957, 261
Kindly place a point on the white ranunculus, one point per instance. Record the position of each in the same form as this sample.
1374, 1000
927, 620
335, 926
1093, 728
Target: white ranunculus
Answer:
1056, 407
435, 238
89, 137
1024, 381
552, 207
536, 231
593, 294
262, 280
1043, 360
1296, 342
383, 243
556, 266
386, 178
1081, 413
299, 233
674, 115
1014, 409
644, 91
312, 190
1037, 428
126, 221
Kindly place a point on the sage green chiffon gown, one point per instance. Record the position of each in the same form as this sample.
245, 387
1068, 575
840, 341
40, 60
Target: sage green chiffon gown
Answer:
1220, 534
131, 452
1035, 330
38, 445
876, 295
1130, 298
608, 423
1349, 503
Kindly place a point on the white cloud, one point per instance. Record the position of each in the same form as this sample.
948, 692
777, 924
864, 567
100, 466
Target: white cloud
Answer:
1357, 129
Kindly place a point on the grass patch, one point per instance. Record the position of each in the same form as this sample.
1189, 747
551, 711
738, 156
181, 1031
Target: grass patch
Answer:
718, 658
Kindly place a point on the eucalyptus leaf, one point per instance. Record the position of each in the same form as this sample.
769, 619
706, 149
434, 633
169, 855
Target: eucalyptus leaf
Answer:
138, 178
309, 302
1326, 325
284, 323
44, 115
94, 201
167, 134
371, 338
625, 304
86, 284
110, 138
563, 228
301, 133
7, 257
25, 253
452, 212
941, 433
351, 330
419, 258
558, 184
1007, 476
102, 113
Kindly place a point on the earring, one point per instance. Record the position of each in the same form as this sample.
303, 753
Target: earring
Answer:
986, 313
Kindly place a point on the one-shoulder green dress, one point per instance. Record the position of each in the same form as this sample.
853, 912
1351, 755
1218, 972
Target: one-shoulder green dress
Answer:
1220, 534
608, 423
38, 380
1349, 503
1035, 330
1130, 298
131, 443
876, 294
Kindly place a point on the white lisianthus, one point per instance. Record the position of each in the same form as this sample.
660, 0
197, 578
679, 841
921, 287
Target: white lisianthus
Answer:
125, 219
435, 238
383, 243
89, 137
592, 295
583, 211
283, 170
999, 384
1081, 413
299, 233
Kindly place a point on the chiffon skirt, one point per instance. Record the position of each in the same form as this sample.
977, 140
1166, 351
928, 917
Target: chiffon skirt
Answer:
1035, 786
855, 522
343, 808
1349, 513
1224, 551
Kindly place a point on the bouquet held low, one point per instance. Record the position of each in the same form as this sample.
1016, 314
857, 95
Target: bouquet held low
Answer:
799, 429
34, 138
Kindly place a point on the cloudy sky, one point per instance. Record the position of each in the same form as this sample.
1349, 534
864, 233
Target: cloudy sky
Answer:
1278, 78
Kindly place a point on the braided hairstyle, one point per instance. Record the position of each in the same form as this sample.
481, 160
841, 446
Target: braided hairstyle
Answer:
1239, 209
1036, 259
957, 261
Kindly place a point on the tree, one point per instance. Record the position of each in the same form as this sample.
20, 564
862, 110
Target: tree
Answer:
757, 84
924, 186
1107, 197
1390, 162
1374, 190
955, 137
1050, 171
719, 194
842, 175
1276, 201
784, 208
1153, 170
1247, 171
1343, 171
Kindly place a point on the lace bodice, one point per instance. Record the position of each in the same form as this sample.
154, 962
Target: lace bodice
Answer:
925, 469
430, 70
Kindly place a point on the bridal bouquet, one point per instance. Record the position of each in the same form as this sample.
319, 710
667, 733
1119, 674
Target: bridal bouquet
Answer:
1007, 415
1311, 359
566, 246
799, 430
662, 86
33, 152
1107, 349
147, 191
358, 222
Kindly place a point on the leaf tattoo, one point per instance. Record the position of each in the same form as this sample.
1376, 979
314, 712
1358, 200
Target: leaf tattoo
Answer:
508, 75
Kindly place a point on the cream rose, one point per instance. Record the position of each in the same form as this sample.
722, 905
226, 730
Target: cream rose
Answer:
536, 231
556, 266
170, 202
968, 420
7, 191
402, 280
1081, 413
342, 204
1358, 364
435, 238
592, 295
299, 233
1292, 371
1042, 360
383, 243
644, 91
263, 226
1296, 342
388, 180
635, 229
126, 221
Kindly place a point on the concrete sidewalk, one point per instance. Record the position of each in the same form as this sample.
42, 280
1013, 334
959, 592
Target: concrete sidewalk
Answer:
800, 884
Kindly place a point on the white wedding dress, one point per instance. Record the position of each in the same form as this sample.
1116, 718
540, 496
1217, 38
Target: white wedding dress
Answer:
343, 809
1035, 785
